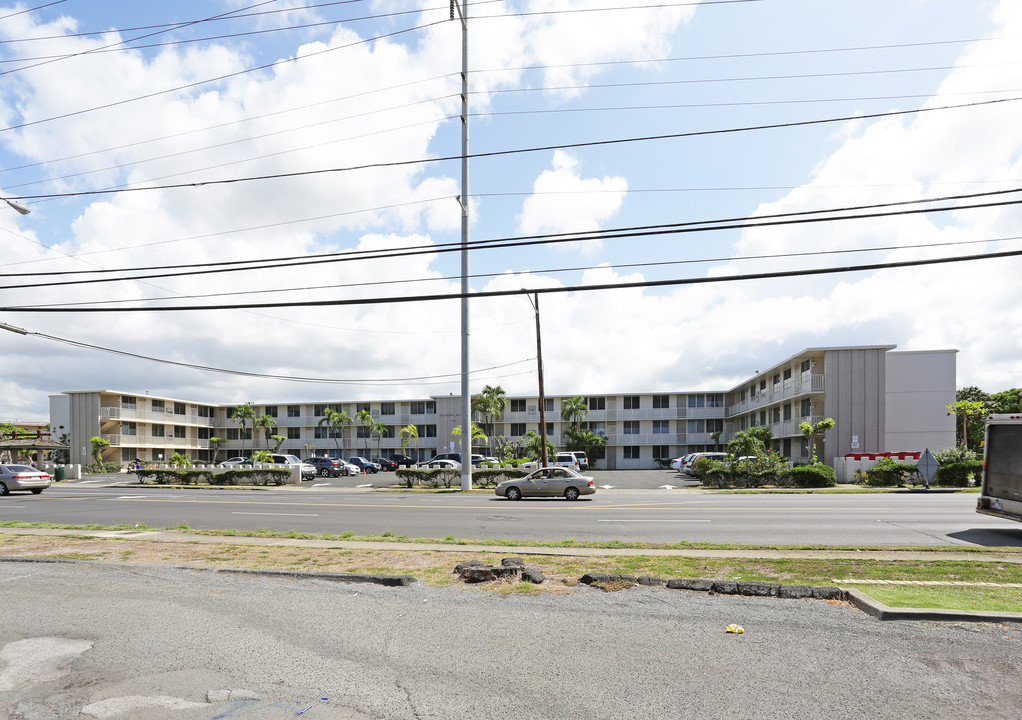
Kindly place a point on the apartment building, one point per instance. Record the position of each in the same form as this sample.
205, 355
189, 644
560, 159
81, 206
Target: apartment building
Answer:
881, 400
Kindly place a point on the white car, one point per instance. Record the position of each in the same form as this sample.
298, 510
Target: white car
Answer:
348, 469
231, 462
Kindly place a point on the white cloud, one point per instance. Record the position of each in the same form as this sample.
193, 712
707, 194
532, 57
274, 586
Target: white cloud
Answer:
564, 201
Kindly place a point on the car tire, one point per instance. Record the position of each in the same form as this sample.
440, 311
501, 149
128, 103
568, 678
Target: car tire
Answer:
4, 490
513, 493
324, 472
36, 491
571, 493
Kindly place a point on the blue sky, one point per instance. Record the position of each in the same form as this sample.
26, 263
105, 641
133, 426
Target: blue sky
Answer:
92, 114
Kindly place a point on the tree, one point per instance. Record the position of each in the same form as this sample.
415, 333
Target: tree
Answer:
477, 434
379, 429
268, 424
532, 446
215, 443
1007, 401
180, 459
409, 434
335, 421
98, 445
365, 419
811, 432
715, 436
969, 409
574, 410
490, 404
277, 441
764, 433
242, 415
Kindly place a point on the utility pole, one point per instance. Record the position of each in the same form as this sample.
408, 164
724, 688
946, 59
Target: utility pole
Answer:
466, 396
542, 394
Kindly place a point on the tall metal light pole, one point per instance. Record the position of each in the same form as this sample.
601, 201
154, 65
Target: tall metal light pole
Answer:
466, 396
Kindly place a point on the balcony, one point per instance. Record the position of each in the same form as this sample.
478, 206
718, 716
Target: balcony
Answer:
778, 393
158, 441
131, 414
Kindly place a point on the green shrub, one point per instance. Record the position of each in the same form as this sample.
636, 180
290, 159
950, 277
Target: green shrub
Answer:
888, 472
956, 454
105, 468
811, 476
263, 476
957, 474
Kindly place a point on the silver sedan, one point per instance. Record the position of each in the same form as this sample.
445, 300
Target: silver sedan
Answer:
22, 477
547, 482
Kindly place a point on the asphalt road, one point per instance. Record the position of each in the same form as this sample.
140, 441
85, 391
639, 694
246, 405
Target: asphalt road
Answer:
156, 642
651, 515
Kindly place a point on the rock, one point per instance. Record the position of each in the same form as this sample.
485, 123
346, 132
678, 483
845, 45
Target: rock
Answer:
758, 589
533, 575
508, 572
725, 587
828, 593
650, 581
690, 584
475, 574
471, 563
513, 561
795, 591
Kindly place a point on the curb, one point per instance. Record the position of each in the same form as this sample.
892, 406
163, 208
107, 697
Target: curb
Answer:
877, 609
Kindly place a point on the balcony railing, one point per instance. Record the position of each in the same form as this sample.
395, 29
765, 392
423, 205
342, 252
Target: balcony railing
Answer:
127, 414
779, 393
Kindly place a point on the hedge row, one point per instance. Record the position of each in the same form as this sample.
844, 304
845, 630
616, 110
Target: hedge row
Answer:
958, 474
169, 476
800, 476
481, 477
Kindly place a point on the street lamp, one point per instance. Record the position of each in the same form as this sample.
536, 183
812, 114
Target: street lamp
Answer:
17, 206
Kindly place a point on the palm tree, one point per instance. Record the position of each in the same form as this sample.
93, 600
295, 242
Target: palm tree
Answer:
215, 443
410, 433
490, 404
268, 424
574, 410
379, 429
242, 414
335, 420
365, 419
477, 434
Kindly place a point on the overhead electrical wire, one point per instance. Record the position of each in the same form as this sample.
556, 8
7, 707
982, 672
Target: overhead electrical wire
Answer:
519, 151
478, 295
607, 233
545, 271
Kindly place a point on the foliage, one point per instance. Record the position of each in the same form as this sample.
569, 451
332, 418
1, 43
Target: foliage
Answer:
180, 459
888, 472
243, 414
967, 409
490, 403
409, 433
335, 421
262, 456
98, 445
172, 476
503, 449
957, 474
715, 436
268, 424
957, 454
477, 434
532, 446
426, 477
265, 476
215, 443
1007, 401
574, 410
812, 431
277, 441
379, 429
365, 419
770, 472
105, 468
745, 444
763, 433
587, 441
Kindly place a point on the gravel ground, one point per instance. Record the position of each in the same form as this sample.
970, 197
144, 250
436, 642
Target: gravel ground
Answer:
158, 642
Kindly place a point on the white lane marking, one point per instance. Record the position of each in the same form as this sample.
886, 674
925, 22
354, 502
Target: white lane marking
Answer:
366, 485
86, 482
667, 487
288, 514
18, 577
606, 487
133, 497
319, 485
656, 521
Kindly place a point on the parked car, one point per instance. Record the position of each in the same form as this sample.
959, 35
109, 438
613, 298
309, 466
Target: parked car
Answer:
583, 461
455, 457
386, 463
566, 459
325, 466
231, 462
442, 463
308, 471
22, 477
547, 482
404, 460
347, 468
365, 465
688, 467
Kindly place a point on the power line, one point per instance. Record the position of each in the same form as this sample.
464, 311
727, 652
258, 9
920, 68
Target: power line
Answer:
540, 290
519, 151
776, 219
447, 377
730, 223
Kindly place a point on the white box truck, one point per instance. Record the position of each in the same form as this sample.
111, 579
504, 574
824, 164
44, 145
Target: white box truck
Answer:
1001, 495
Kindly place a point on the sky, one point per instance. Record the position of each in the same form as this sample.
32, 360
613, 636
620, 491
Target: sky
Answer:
164, 147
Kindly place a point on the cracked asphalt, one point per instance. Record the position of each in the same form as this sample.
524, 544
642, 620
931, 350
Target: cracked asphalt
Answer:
156, 642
